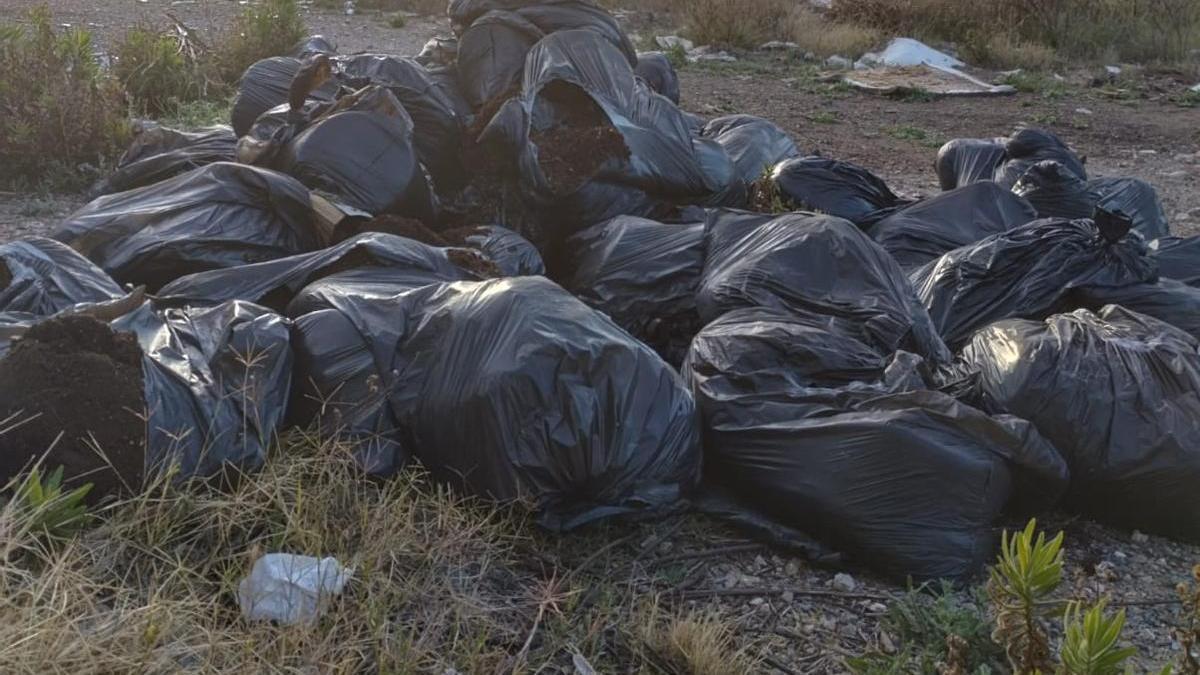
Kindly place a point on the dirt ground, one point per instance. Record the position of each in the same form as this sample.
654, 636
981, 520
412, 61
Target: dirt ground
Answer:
782, 604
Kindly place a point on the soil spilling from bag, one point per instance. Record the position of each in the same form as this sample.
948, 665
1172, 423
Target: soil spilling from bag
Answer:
403, 227
475, 263
80, 386
579, 142
458, 236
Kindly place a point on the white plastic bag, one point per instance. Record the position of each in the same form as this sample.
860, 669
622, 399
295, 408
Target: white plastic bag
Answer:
290, 588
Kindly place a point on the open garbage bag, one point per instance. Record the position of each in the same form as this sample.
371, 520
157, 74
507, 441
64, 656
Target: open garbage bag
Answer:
1027, 272
656, 70
387, 259
834, 187
220, 215
813, 428
644, 275
1178, 258
805, 261
509, 388
931, 228
591, 141
158, 153
1118, 394
515, 255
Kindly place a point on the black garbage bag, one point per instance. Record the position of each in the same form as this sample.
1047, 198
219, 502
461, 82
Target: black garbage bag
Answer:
754, 144
491, 56
1056, 192
158, 153
1027, 273
592, 142
41, 277
644, 275
1118, 394
1178, 258
964, 161
1167, 300
831, 186
509, 388
549, 16
1027, 147
813, 428
265, 85
389, 259
217, 384
816, 263
931, 228
313, 45
656, 70
515, 255
1135, 199
434, 104
365, 155
217, 216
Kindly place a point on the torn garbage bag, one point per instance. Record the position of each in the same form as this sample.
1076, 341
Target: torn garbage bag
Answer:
644, 275
1027, 147
40, 276
512, 253
1118, 394
265, 85
804, 261
392, 260
656, 70
217, 216
547, 399
931, 228
1027, 272
158, 153
811, 427
834, 187
592, 142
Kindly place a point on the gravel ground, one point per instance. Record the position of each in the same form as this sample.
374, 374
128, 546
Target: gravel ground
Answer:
781, 603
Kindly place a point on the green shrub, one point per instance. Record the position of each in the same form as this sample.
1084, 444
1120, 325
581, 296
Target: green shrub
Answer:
157, 71
47, 509
58, 110
261, 31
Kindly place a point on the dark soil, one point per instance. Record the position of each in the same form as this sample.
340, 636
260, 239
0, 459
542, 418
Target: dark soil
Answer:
403, 227
570, 156
488, 110
76, 378
459, 235
474, 262
5, 275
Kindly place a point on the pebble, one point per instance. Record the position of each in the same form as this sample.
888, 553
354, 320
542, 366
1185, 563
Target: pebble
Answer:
839, 62
886, 643
778, 45
1183, 215
1083, 111
844, 582
788, 596
755, 602
670, 41
1138, 538
1112, 70
1106, 571
759, 562
1176, 174
792, 568
877, 608
1120, 555
1147, 152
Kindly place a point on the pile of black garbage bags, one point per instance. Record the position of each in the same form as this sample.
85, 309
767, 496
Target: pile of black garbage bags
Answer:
622, 333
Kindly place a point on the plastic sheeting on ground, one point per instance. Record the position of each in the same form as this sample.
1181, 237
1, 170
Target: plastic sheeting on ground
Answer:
1026, 273
820, 431
931, 228
217, 384
810, 262
1118, 394
159, 153
509, 388
644, 275
217, 216
835, 187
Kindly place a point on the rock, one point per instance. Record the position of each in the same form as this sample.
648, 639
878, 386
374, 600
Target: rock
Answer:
847, 630
792, 568
759, 562
1183, 215
877, 608
672, 41
1138, 538
755, 602
886, 644
844, 583
1112, 71
1147, 152
1106, 571
778, 46
1120, 555
707, 54
810, 56
1083, 111
788, 596
1177, 174
839, 62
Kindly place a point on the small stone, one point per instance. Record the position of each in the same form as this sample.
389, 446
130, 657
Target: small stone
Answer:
1120, 555
844, 583
788, 597
828, 624
672, 41
755, 602
1183, 215
792, 568
847, 630
1106, 571
750, 580
1083, 111
839, 62
759, 562
730, 580
665, 548
1112, 71
1147, 152
1138, 538
1177, 174
810, 56
877, 608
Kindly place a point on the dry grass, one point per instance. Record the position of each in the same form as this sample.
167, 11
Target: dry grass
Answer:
440, 582
815, 33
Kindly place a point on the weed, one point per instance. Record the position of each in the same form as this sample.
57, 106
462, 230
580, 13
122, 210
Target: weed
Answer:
1025, 575
157, 70
823, 117
198, 114
694, 643
58, 109
47, 509
1090, 642
677, 56
812, 32
1046, 118
765, 196
916, 134
1189, 99
260, 31
397, 21
1037, 83
734, 23
912, 95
